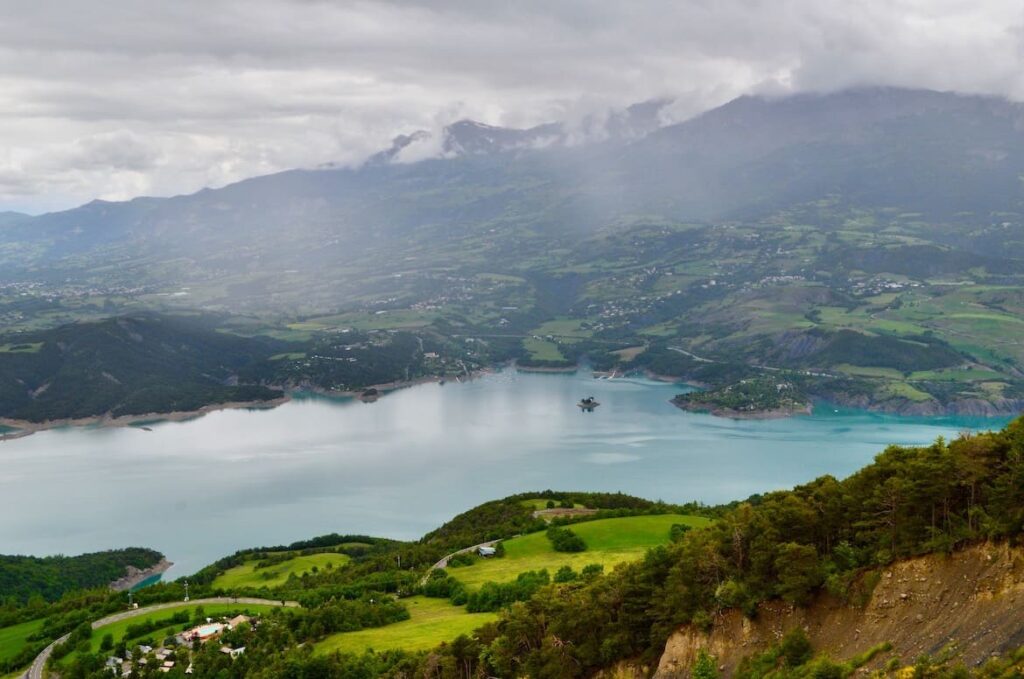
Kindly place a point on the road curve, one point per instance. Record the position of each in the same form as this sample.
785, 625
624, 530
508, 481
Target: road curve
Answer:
39, 664
443, 563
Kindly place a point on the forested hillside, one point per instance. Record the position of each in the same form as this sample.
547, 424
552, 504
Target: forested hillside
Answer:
22, 577
153, 363
126, 366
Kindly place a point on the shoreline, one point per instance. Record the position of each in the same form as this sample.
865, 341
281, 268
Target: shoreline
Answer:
25, 428
772, 414
136, 576
546, 369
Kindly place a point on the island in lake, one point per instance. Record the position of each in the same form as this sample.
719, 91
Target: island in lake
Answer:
758, 398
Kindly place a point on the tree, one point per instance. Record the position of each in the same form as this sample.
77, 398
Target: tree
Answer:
795, 647
107, 643
704, 667
798, 571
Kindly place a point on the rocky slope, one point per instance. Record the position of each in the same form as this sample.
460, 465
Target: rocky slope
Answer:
971, 599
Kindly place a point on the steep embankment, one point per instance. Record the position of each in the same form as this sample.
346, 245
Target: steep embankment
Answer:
972, 598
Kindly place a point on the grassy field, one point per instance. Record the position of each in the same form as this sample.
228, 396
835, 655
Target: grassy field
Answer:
541, 503
543, 350
247, 574
629, 353
433, 621
565, 328
12, 639
609, 542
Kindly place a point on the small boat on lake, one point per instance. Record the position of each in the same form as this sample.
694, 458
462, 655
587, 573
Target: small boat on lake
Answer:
588, 403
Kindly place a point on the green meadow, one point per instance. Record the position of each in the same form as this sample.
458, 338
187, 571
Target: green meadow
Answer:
247, 575
609, 542
12, 639
433, 621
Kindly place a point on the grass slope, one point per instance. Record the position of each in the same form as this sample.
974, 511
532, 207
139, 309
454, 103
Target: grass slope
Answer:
433, 621
609, 542
12, 639
247, 575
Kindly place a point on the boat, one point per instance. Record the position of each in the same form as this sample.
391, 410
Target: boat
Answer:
588, 403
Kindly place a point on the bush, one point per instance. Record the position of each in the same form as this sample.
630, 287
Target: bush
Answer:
565, 540
795, 647
493, 596
462, 559
565, 574
677, 531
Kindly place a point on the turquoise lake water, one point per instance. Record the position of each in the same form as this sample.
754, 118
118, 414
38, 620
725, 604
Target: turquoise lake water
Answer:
201, 489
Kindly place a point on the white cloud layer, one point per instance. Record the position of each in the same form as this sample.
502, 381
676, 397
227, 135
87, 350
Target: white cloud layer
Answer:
123, 97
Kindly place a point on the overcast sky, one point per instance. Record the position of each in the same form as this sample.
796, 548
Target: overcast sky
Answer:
120, 98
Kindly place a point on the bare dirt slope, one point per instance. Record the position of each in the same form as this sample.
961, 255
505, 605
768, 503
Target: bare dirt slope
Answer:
973, 598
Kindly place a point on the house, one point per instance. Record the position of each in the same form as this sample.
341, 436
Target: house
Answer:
486, 551
233, 652
237, 620
202, 632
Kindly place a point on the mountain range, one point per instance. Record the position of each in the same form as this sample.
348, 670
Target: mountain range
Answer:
760, 234
948, 157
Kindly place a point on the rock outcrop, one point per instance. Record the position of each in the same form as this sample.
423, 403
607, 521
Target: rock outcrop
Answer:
971, 599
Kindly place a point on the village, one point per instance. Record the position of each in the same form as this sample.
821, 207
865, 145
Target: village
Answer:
169, 654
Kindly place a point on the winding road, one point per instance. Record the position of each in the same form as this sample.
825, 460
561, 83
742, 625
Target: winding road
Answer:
39, 664
443, 563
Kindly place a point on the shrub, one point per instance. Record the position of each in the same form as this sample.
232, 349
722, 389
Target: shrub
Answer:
565, 540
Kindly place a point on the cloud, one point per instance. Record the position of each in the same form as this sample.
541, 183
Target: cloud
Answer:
118, 98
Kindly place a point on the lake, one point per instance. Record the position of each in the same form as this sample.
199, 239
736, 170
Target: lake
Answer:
201, 489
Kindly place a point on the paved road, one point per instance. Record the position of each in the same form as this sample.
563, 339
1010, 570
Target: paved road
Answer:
443, 563
39, 664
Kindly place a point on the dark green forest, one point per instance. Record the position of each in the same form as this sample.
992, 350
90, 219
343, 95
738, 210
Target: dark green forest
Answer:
23, 577
127, 366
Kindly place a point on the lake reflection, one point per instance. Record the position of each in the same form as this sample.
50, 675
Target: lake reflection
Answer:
399, 467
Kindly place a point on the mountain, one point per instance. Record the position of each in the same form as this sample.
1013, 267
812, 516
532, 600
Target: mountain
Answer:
759, 233
949, 157
469, 137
